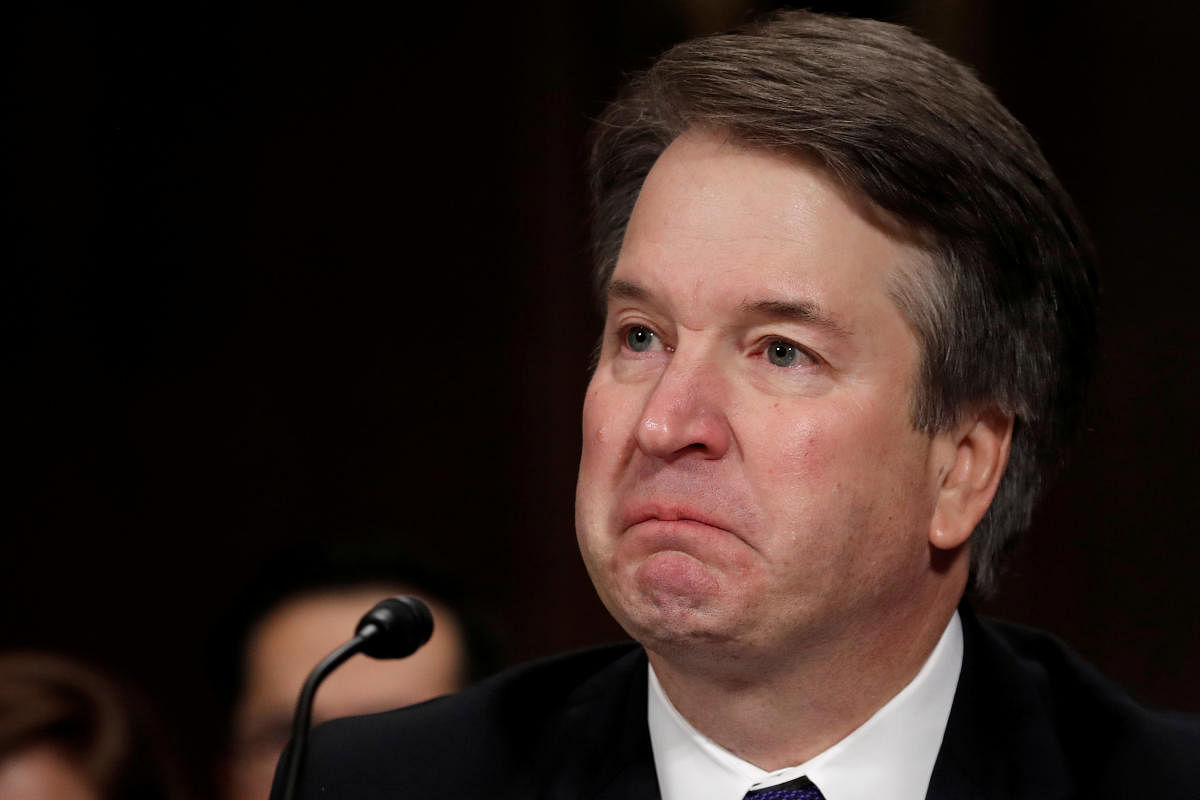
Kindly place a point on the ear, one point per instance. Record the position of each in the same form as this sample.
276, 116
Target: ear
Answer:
972, 457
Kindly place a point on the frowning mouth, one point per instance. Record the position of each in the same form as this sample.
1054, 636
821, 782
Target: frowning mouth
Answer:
704, 537
678, 516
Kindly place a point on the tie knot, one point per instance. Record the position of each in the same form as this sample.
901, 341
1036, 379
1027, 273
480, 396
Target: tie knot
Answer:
800, 789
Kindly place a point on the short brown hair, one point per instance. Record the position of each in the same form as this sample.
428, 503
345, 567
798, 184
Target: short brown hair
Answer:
1006, 313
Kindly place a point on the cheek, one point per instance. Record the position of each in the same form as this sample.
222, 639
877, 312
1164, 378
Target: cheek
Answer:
610, 416
793, 473
596, 439
596, 417
824, 477
606, 436
835, 444
851, 485
801, 453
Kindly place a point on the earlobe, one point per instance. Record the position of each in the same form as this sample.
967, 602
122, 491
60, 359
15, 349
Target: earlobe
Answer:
975, 453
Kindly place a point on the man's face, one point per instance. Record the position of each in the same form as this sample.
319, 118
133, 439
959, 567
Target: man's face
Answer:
750, 478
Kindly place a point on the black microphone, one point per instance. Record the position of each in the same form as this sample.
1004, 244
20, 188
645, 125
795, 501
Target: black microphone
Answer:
394, 628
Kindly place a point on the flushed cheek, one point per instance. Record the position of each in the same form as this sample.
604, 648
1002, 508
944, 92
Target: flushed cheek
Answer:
809, 488
828, 447
805, 454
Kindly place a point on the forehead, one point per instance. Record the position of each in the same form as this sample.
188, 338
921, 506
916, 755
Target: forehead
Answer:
714, 213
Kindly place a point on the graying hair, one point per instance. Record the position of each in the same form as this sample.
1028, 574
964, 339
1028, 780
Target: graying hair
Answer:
1005, 312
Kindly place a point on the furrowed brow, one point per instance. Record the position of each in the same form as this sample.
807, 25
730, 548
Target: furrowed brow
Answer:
625, 290
783, 310
800, 312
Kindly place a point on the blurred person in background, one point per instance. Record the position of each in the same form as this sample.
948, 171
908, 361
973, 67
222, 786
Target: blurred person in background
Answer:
67, 733
303, 603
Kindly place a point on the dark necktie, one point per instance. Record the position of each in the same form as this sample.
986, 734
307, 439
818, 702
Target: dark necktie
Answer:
800, 789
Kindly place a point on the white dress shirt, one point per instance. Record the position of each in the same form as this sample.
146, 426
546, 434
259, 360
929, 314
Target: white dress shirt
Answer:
890, 756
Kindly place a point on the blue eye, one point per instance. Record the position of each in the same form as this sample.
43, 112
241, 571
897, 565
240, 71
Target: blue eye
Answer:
782, 354
639, 338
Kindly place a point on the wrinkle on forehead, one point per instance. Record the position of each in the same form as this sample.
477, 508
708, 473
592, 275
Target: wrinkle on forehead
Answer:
902, 231
915, 284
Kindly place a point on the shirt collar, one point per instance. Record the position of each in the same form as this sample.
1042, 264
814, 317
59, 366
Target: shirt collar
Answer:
890, 755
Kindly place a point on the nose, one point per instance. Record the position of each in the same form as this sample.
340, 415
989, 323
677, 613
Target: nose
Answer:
685, 412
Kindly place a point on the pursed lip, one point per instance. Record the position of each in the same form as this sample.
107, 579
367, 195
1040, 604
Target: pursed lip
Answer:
661, 512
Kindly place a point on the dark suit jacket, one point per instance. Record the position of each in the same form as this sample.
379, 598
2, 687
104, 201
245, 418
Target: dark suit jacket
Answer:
1029, 720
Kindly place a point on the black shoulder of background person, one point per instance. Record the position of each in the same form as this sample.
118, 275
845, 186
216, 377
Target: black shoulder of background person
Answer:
493, 739
1033, 719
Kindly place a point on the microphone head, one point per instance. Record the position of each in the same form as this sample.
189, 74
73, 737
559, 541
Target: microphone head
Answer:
395, 627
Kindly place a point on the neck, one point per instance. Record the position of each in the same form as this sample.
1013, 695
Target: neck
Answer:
784, 713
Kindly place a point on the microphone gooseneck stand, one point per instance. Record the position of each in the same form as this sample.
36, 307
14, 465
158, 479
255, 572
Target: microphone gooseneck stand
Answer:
394, 628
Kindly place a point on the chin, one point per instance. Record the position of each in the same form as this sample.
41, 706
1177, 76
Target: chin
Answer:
668, 598
677, 635
663, 618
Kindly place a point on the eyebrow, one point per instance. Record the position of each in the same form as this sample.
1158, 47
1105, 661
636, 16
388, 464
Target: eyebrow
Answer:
802, 312
795, 311
625, 290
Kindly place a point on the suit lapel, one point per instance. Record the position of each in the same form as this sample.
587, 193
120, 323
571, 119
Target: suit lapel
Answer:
1000, 741
600, 747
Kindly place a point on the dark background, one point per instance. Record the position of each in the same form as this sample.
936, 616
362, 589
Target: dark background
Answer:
276, 271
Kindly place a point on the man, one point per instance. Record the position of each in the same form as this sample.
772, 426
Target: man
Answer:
849, 318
